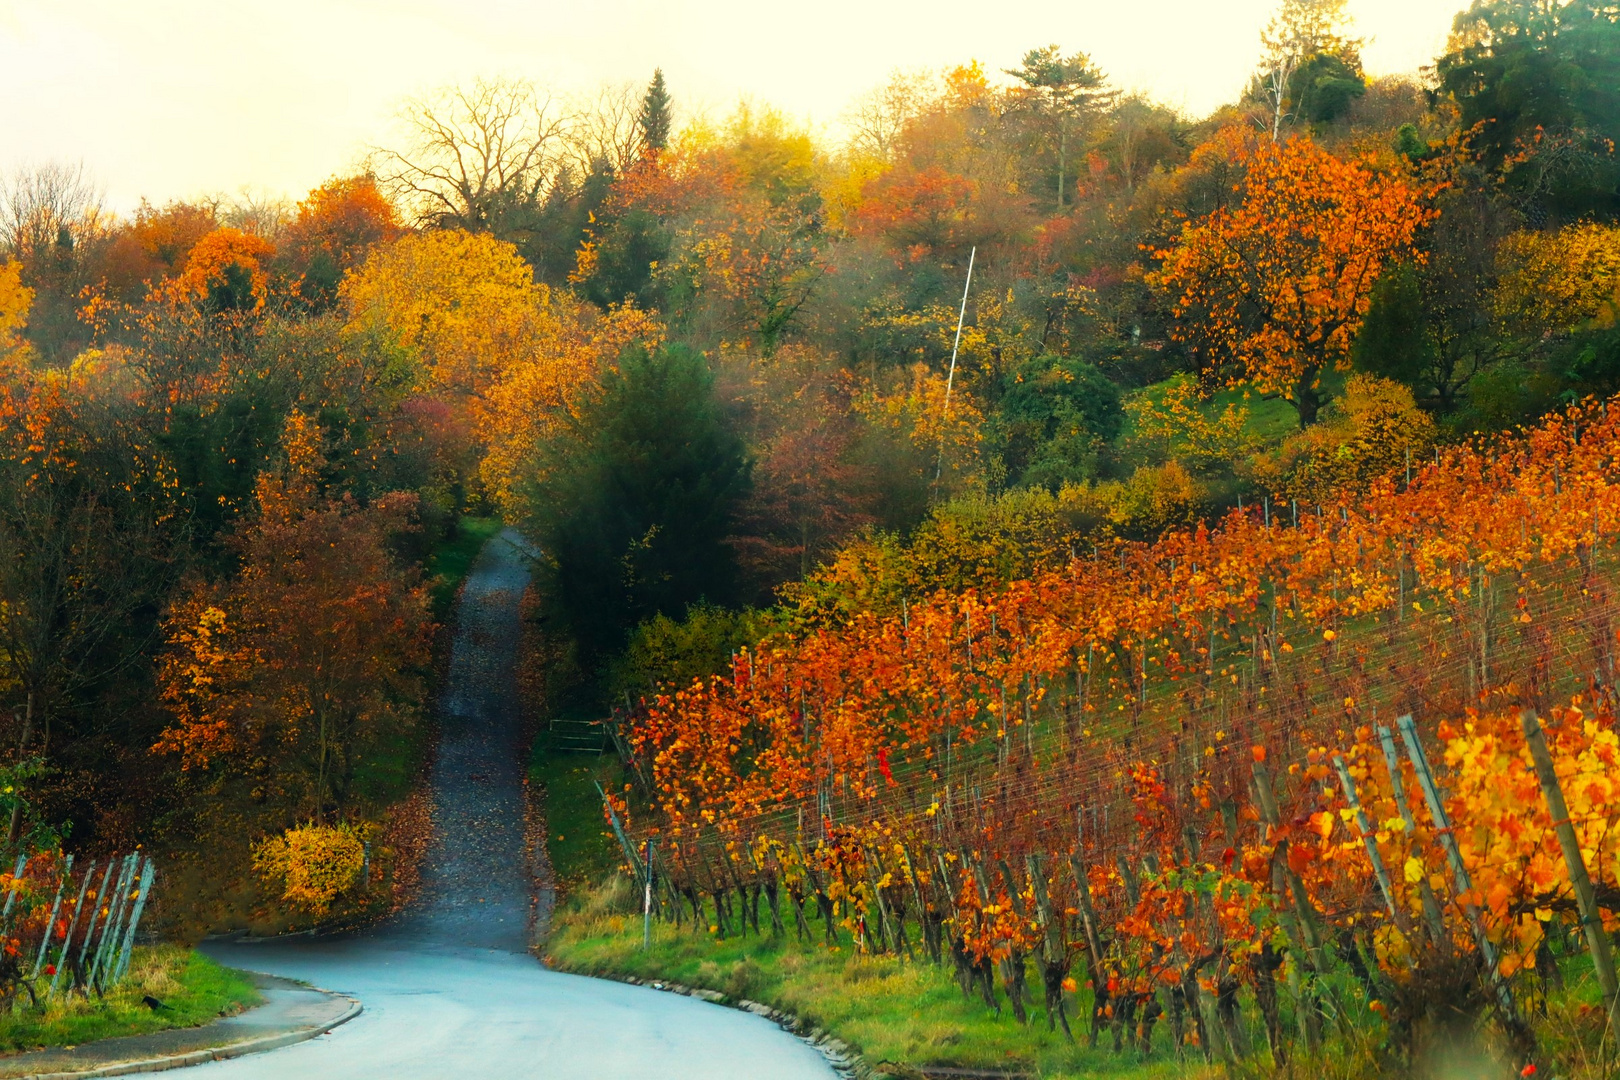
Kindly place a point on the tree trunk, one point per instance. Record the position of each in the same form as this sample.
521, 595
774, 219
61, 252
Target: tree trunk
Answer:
1307, 398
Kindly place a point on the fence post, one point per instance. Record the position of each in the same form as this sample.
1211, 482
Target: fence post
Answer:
1597, 941
1459, 872
134, 921
67, 942
56, 905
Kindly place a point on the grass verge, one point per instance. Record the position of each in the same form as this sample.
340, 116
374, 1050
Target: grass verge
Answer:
448, 565
908, 1017
579, 846
194, 989
901, 1015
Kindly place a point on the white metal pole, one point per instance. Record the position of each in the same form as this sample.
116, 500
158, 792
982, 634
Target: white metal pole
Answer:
950, 377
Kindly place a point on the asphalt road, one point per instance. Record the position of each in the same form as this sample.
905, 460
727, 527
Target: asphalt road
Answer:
449, 988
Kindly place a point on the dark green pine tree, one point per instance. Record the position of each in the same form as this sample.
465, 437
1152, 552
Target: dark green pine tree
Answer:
654, 118
633, 511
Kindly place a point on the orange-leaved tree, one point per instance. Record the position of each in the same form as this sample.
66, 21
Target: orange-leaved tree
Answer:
314, 650
1273, 285
337, 225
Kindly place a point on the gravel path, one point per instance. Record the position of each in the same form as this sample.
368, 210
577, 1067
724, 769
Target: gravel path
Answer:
449, 989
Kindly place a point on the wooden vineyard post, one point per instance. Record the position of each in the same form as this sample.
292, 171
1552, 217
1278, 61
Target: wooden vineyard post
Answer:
56, 906
1459, 872
95, 916
1371, 843
1431, 907
1597, 941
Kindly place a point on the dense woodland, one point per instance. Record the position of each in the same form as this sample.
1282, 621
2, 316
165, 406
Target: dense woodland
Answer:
714, 367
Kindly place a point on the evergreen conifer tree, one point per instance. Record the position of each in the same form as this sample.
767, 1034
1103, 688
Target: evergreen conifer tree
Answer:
654, 117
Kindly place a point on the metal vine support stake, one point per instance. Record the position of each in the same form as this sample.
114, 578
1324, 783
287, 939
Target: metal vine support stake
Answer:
115, 918
134, 921
11, 894
1597, 941
1459, 872
95, 916
1431, 907
1367, 839
67, 942
56, 906
950, 379
624, 841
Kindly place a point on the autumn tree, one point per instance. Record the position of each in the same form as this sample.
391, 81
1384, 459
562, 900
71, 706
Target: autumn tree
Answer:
87, 529
153, 246
480, 158
290, 670
52, 221
1278, 282
463, 305
633, 507
1311, 67
336, 226
1537, 86
1431, 323
1063, 89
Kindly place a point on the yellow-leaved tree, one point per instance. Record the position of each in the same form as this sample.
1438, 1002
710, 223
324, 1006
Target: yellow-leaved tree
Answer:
510, 357
1552, 282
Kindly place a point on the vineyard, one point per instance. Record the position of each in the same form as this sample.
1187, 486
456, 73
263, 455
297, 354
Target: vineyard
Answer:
69, 932
1312, 779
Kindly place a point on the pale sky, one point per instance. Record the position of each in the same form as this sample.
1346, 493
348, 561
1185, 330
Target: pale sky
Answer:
177, 98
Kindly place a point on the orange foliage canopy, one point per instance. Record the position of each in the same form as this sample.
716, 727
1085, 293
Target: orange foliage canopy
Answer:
923, 212
228, 267
314, 647
1276, 283
337, 225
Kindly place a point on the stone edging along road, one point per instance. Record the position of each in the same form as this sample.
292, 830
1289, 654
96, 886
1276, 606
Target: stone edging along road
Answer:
217, 1053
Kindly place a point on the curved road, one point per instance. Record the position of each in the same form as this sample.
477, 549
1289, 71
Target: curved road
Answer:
449, 988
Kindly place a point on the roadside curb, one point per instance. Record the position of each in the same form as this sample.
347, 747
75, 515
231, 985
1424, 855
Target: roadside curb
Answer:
219, 1053
844, 1059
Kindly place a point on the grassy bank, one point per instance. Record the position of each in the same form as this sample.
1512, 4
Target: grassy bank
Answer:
193, 989
579, 847
907, 1017
899, 1014
450, 561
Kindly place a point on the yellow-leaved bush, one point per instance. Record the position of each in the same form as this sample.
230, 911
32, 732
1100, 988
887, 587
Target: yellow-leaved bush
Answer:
313, 863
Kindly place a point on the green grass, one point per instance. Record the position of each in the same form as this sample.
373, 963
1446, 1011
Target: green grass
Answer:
910, 1014
577, 839
195, 989
894, 1011
450, 561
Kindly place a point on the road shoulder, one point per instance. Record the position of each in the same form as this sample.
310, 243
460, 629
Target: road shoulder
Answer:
292, 1012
